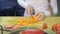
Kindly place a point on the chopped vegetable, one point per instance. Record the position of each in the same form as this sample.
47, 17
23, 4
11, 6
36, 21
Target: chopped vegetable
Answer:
44, 25
30, 22
8, 26
56, 27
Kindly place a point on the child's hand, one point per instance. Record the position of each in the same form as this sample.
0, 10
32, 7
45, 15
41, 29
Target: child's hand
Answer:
40, 15
29, 9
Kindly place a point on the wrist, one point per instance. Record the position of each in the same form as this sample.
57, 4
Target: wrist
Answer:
43, 14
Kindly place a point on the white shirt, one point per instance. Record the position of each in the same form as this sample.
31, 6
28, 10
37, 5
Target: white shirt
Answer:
40, 5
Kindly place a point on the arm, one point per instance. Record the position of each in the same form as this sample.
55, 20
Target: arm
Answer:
22, 3
54, 6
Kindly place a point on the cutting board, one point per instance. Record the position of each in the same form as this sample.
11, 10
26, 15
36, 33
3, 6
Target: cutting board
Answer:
49, 20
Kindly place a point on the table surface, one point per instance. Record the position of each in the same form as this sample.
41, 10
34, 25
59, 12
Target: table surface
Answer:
13, 20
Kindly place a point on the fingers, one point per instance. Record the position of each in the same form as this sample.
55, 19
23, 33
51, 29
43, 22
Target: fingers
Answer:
29, 10
36, 14
40, 16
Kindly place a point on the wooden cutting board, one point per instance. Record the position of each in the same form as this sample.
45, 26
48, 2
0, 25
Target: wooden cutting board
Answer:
49, 20
13, 20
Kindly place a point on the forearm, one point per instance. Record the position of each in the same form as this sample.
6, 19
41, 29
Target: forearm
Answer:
22, 3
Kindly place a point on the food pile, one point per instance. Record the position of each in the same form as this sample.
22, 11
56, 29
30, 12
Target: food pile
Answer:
31, 23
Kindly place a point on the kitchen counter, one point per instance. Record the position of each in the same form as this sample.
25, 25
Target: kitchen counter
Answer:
13, 20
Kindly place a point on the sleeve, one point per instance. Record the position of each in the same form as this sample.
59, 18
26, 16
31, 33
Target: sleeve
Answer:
54, 6
22, 3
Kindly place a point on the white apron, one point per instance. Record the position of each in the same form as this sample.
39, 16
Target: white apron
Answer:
38, 5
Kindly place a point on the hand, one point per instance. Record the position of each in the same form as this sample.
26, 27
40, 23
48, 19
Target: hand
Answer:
40, 16
29, 9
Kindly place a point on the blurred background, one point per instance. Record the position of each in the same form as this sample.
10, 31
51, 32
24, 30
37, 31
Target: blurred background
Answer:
58, 2
12, 8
